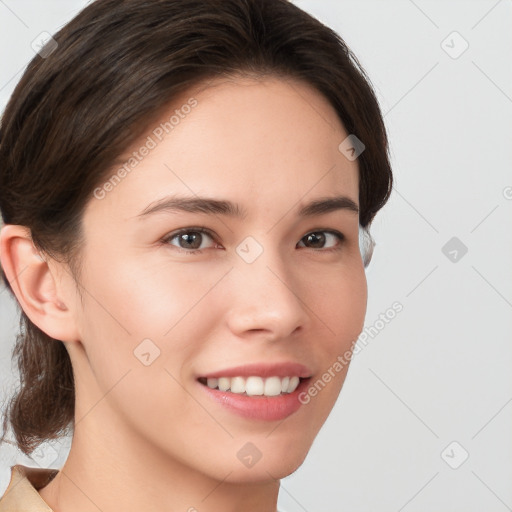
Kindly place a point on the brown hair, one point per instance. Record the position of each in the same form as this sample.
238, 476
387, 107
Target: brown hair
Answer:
117, 65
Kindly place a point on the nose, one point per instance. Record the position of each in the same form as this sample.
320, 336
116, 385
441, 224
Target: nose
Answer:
267, 297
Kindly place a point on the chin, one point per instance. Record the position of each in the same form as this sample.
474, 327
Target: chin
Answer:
274, 464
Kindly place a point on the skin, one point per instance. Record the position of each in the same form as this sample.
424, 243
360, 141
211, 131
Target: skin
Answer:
270, 145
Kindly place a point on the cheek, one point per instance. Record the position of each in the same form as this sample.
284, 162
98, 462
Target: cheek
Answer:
150, 300
353, 296
141, 325
135, 300
338, 301
340, 306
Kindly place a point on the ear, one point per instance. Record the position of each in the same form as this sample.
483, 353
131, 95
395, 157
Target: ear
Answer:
34, 284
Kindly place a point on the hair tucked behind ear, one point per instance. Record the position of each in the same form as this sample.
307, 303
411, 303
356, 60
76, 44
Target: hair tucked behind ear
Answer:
117, 65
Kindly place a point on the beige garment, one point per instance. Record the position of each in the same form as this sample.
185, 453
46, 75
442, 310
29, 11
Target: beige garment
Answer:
21, 495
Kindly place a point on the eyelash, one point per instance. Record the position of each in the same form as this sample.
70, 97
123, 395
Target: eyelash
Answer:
166, 240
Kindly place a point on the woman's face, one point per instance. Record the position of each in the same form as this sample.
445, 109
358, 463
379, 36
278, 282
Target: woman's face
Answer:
265, 284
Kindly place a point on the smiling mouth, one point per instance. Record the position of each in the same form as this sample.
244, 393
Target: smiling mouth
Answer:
254, 385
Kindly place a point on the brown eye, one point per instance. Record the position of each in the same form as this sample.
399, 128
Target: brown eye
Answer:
190, 240
318, 239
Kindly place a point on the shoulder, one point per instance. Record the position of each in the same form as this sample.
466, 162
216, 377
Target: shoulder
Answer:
21, 494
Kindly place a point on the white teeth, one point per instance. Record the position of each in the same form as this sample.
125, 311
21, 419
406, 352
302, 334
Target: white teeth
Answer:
272, 386
224, 383
237, 385
294, 382
255, 386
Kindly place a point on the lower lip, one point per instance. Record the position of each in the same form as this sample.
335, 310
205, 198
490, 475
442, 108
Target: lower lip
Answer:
266, 408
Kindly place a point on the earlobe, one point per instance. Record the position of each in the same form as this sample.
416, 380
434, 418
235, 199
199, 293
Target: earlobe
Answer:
34, 284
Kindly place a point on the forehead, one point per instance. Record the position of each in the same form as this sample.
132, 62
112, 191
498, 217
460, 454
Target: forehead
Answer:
260, 140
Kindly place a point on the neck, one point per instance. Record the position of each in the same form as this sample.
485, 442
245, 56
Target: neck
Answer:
111, 468
101, 474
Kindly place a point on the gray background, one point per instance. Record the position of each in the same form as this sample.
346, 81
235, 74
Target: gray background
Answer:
433, 385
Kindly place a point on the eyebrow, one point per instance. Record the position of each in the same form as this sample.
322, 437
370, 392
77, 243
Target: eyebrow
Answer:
212, 206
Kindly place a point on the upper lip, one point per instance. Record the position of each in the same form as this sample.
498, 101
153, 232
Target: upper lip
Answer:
285, 369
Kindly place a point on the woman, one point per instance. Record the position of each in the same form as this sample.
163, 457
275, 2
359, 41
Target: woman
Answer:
186, 188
